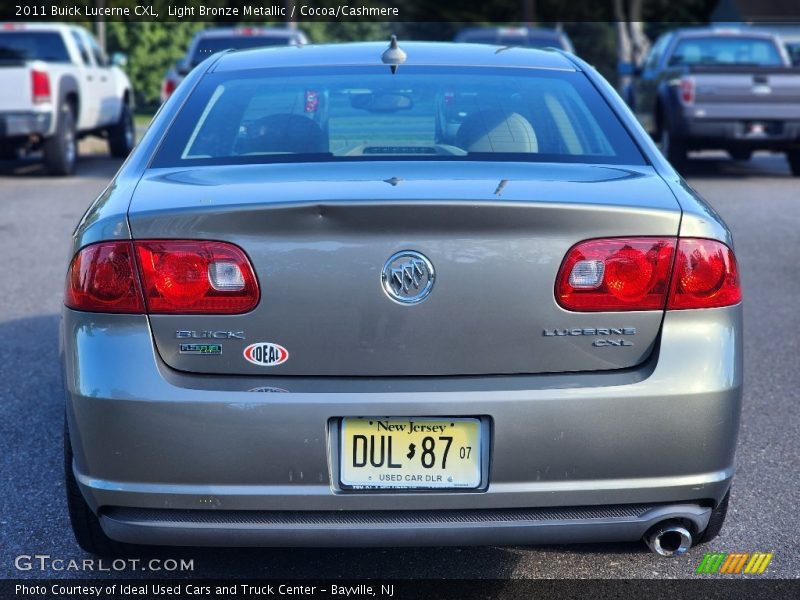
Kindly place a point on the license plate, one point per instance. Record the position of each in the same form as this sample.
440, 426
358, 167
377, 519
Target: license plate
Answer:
423, 453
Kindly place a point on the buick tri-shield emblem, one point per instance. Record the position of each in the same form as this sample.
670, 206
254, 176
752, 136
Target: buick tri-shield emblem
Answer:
407, 277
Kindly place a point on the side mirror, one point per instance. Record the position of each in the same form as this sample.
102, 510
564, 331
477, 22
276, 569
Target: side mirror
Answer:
182, 67
118, 59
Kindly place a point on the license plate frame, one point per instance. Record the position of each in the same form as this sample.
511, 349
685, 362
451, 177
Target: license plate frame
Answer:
477, 468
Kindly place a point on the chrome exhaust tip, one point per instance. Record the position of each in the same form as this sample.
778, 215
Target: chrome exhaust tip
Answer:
669, 539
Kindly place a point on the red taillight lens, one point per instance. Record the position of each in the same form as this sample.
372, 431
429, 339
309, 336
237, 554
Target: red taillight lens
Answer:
706, 276
167, 88
102, 278
190, 277
177, 277
312, 101
40, 86
616, 274
687, 90
620, 274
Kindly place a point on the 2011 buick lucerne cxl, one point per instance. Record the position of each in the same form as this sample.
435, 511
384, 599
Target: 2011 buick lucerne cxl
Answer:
407, 295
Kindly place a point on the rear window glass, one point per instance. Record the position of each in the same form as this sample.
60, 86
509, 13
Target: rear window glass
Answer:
725, 51
44, 46
419, 113
211, 45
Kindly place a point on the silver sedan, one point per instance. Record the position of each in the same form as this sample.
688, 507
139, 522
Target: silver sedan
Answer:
417, 294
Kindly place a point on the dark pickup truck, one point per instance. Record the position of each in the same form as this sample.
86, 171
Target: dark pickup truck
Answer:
719, 89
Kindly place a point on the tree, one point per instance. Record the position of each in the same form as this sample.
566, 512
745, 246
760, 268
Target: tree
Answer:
632, 43
152, 49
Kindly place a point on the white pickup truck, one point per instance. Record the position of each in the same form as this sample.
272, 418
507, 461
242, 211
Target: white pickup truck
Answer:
56, 86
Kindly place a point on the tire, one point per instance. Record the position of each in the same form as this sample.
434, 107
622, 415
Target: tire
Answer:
741, 154
8, 153
122, 135
61, 149
793, 156
716, 521
672, 147
85, 524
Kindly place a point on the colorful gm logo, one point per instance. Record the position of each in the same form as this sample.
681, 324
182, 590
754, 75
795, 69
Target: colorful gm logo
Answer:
734, 564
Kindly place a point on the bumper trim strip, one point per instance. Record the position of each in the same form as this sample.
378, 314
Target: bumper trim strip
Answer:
624, 522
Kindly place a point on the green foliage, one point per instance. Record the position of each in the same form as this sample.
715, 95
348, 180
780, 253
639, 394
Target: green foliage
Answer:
152, 49
357, 31
596, 43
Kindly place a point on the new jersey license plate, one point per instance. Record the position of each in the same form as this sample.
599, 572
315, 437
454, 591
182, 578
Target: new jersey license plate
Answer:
421, 453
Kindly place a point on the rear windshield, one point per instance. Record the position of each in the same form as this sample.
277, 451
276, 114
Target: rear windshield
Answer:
716, 51
419, 113
211, 45
18, 46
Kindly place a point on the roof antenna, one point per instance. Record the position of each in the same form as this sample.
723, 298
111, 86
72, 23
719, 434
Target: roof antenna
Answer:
393, 55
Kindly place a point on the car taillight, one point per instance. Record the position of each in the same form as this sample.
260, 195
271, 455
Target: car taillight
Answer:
40, 86
196, 277
687, 90
706, 276
312, 101
177, 277
102, 278
167, 88
646, 273
616, 274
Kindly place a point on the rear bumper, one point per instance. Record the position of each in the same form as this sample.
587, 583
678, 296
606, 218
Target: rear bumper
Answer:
147, 437
24, 124
737, 133
395, 528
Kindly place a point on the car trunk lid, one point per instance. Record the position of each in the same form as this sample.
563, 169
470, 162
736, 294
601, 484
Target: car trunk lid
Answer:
319, 237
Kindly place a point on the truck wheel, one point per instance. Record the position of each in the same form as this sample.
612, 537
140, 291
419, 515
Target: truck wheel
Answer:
716, 521
85, 524
741, 154
672, 147
61, 150
793, 156
121, 135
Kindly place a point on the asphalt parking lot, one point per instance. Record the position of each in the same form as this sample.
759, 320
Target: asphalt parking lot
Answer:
759, 200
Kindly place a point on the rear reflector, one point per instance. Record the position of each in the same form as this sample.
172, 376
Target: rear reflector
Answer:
177, 277
40, 87
624, 274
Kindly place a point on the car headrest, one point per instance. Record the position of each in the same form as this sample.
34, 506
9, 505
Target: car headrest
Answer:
283, 133
496, 131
